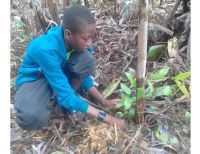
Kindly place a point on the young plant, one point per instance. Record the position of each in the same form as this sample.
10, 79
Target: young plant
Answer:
126, 108
127, 105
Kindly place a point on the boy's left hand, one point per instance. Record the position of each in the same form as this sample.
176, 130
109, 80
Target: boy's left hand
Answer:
109, 104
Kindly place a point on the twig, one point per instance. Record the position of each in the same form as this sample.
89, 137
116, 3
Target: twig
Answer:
127, 136
183, 16
165, 109
69, 135
158, 114
127, 64
58, 132
49, 25
133, 139
116, 135
182, 99
110, 63
173, 11
188, 49
55, 136
149, 103
50, 139
161, 28
93, 104
44, 148
127, 54
182, 140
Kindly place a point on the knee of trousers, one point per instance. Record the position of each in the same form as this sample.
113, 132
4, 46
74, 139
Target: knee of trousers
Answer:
32, 121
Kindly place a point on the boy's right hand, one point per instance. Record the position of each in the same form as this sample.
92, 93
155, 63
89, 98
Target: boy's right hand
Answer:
120, 123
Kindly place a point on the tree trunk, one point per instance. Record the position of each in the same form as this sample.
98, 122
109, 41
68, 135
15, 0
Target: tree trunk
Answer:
141, 61
86, 3
116, 6
65, 3
79, 2
53, 11
172, 12
39, 19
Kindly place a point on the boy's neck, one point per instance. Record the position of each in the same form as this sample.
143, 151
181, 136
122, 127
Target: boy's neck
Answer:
68, 47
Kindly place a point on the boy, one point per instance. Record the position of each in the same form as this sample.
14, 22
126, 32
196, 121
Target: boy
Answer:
60, 61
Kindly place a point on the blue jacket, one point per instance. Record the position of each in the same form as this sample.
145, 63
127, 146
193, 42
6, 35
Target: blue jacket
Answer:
47, 54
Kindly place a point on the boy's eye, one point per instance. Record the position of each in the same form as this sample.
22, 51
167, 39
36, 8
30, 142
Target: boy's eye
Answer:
85, 39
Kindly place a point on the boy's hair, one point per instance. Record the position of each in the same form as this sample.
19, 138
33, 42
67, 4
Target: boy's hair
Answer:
76, 18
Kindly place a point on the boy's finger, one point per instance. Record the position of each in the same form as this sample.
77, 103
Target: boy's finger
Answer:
116, 100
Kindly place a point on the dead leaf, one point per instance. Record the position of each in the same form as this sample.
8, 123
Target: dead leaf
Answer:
111, 88
144, 144
173, 48
99, 21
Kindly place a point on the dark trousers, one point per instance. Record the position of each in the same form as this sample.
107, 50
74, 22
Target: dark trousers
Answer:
32, 103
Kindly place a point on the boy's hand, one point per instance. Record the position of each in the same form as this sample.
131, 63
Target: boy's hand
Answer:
104, 102
120, 123
109, 104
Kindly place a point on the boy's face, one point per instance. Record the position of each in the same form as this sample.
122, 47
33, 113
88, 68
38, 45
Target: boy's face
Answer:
81, 40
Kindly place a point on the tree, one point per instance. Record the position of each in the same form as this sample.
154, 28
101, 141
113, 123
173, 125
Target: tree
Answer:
141, 61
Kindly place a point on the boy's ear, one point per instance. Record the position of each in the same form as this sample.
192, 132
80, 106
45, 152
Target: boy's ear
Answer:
67, 34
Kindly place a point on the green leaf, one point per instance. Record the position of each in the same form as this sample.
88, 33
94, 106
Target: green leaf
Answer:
22, 40
111, 88
131, 113
127, 102
151, 86
158, 75
132, 71
174, 140
123, 96
165, 91
182, 87
164, 137
131, 79
120, 104
187, 115
182, 76
125, 89
153, 107
139, 93
155, 132
155, 52
119, 114
151, 90
134, 100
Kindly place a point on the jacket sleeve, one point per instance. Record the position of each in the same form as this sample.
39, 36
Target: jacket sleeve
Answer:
48, 61
87, 83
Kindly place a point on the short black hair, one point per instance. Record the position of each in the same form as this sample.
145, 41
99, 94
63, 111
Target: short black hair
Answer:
76, 18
